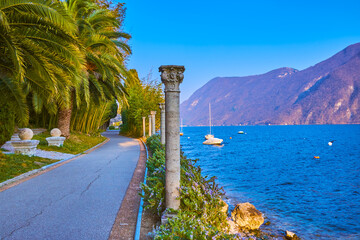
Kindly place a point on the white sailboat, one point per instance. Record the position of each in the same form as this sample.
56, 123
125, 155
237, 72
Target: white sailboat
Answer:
208, 136
210, 139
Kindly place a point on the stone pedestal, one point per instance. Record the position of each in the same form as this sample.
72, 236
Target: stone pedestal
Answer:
162, 123
15, 137
25, 147
172, 76
153, 122
144, 126
150, 132
55, 141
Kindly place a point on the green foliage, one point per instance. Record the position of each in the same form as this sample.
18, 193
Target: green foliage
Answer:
113, 110
76, 143
186, 226
89, 119
12, 165
7, 122
41, 57
111, 127
143, 97
99, 32
154, 189
105, 49
200, 215
154, 143
58, 54
201, 196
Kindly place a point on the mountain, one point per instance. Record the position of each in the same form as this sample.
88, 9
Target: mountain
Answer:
327, 93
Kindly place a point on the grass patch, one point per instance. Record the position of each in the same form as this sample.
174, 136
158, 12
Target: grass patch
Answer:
12, 165
76, 143
3, 150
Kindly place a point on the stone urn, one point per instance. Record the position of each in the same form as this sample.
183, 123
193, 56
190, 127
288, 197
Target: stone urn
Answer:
247, 216
55, 139
25, 146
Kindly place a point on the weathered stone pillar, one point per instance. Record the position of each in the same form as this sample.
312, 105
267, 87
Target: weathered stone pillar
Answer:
144, 126
150, 132
172, 76
162, 122
153, 121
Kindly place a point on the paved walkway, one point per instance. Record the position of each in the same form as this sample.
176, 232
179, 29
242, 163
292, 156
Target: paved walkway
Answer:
78, 200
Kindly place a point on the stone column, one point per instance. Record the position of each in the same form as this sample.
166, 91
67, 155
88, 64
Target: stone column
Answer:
162, 122
150, 132
144, 126
153, 121
172, 76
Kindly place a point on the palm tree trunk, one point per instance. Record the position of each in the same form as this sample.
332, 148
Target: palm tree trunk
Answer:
64, 121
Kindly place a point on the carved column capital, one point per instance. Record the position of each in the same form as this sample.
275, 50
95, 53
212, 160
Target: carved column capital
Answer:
172, 76
152, 112
162, 107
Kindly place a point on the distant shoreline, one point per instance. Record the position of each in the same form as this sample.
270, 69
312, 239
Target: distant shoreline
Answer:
270, 125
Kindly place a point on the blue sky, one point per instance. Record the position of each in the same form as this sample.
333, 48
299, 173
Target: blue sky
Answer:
236, 38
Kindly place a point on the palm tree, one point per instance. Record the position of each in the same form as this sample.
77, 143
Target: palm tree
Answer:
40, 56
105, 52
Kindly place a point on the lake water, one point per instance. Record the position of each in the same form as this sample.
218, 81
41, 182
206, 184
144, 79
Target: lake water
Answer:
273, 167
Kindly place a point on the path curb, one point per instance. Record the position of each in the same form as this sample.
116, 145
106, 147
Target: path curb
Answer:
139, 217
55, 164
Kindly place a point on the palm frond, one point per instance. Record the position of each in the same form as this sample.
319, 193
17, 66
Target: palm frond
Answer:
11, 90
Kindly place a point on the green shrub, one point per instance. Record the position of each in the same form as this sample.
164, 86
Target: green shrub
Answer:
111, 127
76, 143
154, 189
200, 215
7, 122
153, 143
185, 226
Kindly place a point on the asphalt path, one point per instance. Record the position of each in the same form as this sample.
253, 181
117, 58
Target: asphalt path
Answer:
78, 200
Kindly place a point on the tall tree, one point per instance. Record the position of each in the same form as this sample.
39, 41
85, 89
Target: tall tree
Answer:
144, 96
39, 55
99, 31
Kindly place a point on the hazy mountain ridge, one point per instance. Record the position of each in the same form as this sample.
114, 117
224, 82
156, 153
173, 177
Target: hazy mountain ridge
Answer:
326, 93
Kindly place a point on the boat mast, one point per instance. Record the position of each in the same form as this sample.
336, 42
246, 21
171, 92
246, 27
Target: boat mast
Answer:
210, 116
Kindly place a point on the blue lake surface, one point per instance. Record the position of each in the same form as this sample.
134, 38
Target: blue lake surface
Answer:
273, 167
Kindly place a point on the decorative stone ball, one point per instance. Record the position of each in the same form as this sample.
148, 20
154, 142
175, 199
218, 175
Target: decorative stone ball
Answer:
26, 134
55, 132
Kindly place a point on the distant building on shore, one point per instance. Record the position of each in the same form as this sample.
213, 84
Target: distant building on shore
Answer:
116, 121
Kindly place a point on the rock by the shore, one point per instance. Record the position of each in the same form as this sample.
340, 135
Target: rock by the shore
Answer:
225, 207
247, 216
233, 227
291, 236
